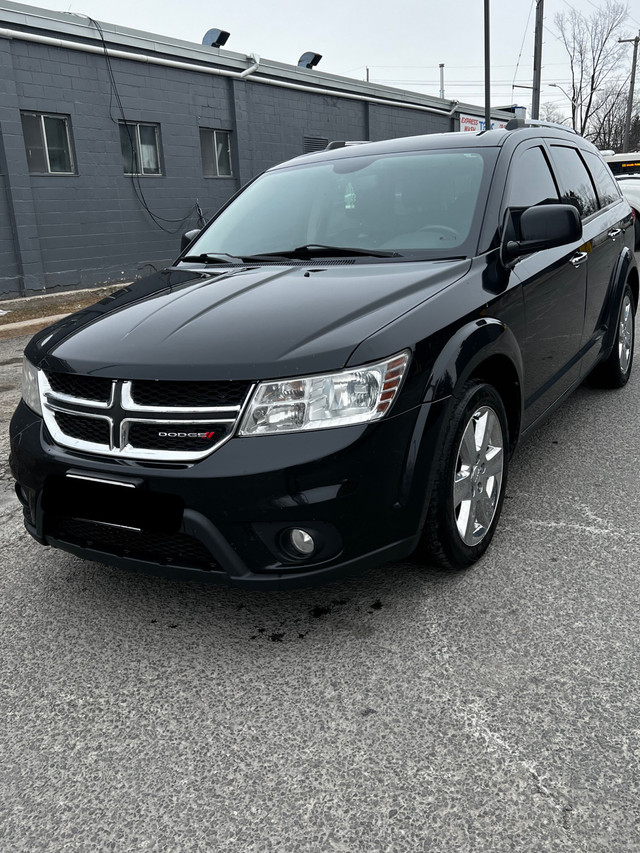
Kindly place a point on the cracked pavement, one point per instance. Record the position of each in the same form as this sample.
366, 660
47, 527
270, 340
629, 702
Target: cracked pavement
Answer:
404, 710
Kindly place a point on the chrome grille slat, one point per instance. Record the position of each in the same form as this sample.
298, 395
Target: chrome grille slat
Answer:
130, 404
135, 431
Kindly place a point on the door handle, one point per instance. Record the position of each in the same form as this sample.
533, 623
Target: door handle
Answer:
579, 258
615, 232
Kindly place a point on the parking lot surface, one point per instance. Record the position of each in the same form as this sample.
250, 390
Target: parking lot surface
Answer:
403, 710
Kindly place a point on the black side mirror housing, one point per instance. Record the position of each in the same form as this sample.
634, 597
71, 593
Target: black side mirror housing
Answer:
188, 237
543, 226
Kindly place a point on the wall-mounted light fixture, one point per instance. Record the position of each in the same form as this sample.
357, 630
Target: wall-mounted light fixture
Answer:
215, 38
309, 59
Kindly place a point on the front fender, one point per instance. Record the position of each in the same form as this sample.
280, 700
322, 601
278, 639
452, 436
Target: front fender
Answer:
466, 350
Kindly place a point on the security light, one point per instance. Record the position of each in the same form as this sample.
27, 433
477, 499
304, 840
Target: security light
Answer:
215, 38
308, 60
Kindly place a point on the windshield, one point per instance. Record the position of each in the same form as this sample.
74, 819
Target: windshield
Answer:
397, 204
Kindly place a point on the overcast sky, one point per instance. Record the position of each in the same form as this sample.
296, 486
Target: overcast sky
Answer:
402, 43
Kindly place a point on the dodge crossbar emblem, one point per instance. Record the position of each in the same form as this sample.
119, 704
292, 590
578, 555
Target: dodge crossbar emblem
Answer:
186, 435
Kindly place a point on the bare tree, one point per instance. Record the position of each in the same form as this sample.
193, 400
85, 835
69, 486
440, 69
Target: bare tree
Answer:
606, 126
550, 112
595, 56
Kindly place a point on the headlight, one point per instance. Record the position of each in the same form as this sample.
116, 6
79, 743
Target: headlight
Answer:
30, 387
353, 396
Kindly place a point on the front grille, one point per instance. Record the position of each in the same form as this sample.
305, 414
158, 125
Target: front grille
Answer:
93, 430
188, 395
83, 387
176, 549
174, 437
162, 420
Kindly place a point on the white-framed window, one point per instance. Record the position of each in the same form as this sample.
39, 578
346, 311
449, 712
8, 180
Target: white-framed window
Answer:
48, 143
140, 146
215, 146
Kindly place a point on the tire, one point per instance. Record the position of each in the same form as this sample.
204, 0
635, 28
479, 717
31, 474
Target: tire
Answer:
470, 480
615, 370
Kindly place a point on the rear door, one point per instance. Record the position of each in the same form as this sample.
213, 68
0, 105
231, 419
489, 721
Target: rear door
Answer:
602, 213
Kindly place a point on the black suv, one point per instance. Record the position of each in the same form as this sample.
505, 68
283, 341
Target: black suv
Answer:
336, 370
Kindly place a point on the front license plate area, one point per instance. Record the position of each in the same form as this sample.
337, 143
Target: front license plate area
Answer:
112, 504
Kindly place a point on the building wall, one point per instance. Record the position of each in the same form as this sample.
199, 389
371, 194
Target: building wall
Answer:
9, 269
60, 231
92, 226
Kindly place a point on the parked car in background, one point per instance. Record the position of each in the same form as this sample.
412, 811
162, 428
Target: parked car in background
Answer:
630, 186
626, 170
336, 370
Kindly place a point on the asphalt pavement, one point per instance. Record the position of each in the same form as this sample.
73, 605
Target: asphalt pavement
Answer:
404, 710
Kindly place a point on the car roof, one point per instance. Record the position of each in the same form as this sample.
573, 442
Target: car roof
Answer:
441, 141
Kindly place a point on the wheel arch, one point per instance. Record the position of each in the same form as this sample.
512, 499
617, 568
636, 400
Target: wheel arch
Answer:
625, 272
488, 351
499, 371
634, 284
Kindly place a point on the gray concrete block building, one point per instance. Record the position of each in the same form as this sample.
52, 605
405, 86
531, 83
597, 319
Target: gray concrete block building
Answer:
113, 142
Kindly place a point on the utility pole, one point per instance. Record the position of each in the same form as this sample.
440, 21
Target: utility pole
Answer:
487, 69
627, 124
537, 60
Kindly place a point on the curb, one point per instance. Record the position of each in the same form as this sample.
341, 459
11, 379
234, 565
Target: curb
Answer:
8, 304
28, 327
45, 305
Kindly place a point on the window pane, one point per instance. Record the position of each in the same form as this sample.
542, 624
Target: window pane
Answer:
606, 184
531, 181
223, 152
206, 149
32, 132
57, 144
149, 150
127, 146
577, 187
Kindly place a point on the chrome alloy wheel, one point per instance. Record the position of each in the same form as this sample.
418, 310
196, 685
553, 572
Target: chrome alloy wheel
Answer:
625, 334
478, 478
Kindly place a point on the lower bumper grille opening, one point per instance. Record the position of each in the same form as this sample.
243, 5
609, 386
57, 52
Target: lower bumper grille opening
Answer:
177, 549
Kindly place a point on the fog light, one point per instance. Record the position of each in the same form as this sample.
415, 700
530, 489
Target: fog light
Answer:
300, 542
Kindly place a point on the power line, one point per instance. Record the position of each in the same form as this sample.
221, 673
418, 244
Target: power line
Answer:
526, 27
135, 179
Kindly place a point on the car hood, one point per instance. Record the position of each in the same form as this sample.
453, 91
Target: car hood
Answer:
245, 323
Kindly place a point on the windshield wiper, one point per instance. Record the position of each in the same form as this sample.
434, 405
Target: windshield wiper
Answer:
213, 258
316, 250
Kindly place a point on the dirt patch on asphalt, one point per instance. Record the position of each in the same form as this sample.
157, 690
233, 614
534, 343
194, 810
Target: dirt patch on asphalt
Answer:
33, 308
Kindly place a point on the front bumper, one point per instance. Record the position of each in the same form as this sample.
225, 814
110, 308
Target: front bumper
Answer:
361, 491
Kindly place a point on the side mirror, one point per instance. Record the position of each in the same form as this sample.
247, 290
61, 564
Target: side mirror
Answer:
188, 237
544, 226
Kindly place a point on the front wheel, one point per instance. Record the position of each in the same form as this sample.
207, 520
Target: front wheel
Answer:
470, 480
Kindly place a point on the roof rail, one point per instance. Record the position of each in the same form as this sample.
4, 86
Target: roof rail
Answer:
342, 143
517, 123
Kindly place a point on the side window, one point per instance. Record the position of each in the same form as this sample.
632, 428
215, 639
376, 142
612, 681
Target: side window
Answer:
606, 184
215, 147
577, 187
140, 146
530, 180
48, 144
